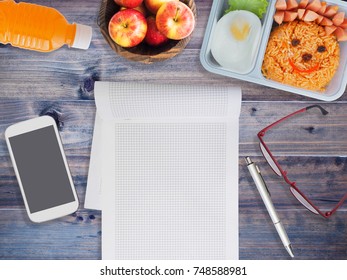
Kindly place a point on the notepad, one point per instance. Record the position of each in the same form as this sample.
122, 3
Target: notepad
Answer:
164, 171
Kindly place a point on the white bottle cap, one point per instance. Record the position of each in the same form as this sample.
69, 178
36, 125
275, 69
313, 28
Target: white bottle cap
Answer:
83, 37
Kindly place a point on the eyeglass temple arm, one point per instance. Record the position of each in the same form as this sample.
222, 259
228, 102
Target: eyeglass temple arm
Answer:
323, 111
303, 110
328, 214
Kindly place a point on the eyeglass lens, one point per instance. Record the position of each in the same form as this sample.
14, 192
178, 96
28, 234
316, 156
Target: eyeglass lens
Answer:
275, 168
269, 160
303, 201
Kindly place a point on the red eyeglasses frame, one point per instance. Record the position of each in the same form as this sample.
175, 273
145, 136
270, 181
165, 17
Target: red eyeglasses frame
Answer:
284, 173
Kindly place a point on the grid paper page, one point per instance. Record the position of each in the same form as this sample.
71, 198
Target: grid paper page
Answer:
169, 183
144, 100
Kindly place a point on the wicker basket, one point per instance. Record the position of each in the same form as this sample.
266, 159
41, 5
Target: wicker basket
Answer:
142, 52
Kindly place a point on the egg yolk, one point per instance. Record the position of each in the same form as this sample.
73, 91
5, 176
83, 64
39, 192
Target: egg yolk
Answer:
240, 30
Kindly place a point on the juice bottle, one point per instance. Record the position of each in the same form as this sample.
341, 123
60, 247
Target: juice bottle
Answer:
39, 28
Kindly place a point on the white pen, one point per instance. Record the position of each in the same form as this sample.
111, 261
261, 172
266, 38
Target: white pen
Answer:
265, 195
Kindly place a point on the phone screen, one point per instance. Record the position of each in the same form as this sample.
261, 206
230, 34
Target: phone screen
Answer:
41, 169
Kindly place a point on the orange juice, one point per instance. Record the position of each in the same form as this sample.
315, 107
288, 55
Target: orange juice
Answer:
39, 28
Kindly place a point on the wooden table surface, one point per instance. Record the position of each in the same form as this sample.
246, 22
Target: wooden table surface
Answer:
61, 84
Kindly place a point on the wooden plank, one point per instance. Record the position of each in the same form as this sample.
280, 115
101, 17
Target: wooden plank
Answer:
75, 121
311, 237
77, 236
305, 135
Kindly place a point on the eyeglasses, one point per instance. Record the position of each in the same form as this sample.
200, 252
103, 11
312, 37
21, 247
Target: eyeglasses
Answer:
299, 195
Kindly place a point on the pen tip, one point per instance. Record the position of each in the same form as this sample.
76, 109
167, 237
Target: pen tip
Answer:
248, 160
290, 250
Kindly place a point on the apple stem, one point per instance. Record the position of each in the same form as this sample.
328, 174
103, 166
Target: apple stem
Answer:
125, 25
176, 15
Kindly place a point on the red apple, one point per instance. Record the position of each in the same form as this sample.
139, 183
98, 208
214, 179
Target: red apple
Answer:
141, 8
154, 37
154, 5
128, 3
128, 28
175, 20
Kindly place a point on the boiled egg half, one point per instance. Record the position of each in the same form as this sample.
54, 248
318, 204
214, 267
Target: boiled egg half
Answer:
235, 41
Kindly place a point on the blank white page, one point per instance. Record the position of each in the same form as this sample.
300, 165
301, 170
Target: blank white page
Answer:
169, 171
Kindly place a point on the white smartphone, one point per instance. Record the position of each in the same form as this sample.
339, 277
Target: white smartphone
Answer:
41, 168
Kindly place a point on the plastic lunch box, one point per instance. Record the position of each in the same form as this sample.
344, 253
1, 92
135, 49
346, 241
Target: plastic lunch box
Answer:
334, 90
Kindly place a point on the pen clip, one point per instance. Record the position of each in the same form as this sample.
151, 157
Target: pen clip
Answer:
261, 176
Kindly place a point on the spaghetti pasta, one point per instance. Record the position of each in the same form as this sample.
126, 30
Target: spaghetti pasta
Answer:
300, 54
